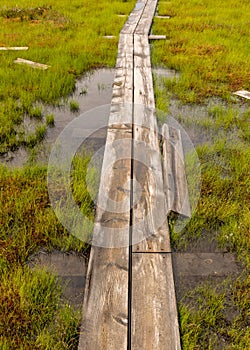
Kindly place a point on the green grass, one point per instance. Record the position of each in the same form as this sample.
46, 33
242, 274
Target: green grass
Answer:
50, 120
216, 318
67, 36
74, 106
208, 46
208, 43
32, 315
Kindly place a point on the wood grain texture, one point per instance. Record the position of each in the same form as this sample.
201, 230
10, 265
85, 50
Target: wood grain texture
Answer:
132, 133
154, 313
134, 18
105, 315
175, 182
104, 324
150, 208
146, 19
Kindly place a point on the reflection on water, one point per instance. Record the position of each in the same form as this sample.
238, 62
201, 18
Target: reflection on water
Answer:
94, 89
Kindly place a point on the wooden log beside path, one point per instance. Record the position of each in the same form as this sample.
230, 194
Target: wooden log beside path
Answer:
31, 63
129, 300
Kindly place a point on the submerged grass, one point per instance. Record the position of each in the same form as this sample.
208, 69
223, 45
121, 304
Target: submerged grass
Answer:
208, 46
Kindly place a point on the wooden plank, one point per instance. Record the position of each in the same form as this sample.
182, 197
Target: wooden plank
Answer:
157, 37
163, 17
105, 317
146, 19
154, 312
175, 182
14, 48
134, 18
109, 36
104, 324
243, 93
141, 51
150, 211
153, 307
31, 63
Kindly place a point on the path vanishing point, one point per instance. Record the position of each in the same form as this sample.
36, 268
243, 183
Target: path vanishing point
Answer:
129, 300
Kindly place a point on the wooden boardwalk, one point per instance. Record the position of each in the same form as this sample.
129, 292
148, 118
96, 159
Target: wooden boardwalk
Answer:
129, 298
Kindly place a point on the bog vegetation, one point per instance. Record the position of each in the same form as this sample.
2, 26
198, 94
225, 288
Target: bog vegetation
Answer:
68, 37
208, 44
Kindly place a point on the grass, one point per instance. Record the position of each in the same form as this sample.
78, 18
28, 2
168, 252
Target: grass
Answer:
32, 307
74, 106
207, 45
67, 36
32, 313
50, 120
216, 318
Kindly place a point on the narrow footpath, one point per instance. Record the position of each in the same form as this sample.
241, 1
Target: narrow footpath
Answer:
129, 300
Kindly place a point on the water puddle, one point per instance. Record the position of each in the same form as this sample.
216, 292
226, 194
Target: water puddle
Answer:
165, 73
91, 91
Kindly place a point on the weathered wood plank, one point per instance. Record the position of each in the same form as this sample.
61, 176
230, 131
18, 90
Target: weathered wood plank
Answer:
154, 312
134, 18
145, 23
104, 324
14, 48
243, 93
150, 209
175, 182
154, 323
157, 37
105, 317
109, 36
141, 51
163, 17
31, 63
